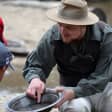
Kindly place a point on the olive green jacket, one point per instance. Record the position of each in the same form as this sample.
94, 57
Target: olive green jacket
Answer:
41, 61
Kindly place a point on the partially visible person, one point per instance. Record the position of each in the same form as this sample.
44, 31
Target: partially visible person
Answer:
2, 38
5, 60
100, 13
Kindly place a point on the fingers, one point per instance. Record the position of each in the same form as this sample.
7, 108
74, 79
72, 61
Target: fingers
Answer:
67, 94
59, 89
38, 96
32, 92
36, 89
60, 103
39, 93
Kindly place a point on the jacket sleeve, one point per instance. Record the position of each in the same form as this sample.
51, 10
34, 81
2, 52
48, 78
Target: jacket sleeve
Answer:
103, 72
41, 60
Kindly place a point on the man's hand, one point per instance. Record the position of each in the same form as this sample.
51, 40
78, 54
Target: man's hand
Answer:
36, 88
68, 94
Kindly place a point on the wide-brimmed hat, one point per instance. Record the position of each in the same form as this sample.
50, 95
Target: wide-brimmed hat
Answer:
74, 12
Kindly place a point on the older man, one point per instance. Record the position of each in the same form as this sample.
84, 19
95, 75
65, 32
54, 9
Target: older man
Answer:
81, 46
5, 59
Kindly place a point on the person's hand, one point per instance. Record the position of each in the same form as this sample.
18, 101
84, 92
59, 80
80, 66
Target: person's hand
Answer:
35, 89
68, 94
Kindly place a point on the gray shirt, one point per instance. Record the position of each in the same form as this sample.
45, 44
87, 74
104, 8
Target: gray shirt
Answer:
41, 61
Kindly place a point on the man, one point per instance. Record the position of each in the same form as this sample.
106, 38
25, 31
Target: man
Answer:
5, 59
81, 46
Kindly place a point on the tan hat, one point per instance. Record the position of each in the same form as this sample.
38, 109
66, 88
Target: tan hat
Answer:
74, 12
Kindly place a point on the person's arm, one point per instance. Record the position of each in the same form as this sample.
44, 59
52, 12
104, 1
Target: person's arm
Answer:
40, 62
38, 66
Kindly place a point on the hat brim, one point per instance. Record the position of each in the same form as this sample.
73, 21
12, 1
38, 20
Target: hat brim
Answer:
89, 20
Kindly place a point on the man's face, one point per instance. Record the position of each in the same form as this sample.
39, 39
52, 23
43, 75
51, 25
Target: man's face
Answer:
2, 71
71, 33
